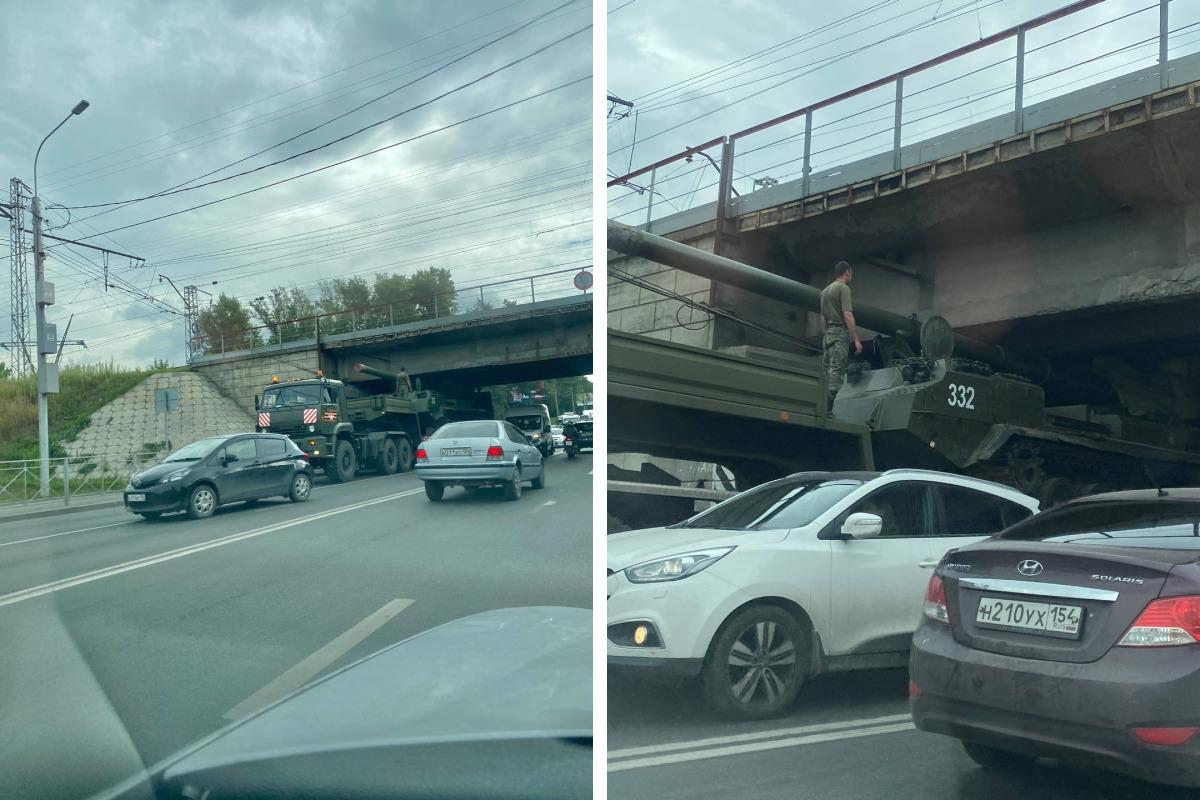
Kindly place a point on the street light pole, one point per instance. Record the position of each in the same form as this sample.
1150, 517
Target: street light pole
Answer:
43, 293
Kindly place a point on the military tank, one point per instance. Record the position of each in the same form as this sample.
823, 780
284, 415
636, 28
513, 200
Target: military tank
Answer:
933, 398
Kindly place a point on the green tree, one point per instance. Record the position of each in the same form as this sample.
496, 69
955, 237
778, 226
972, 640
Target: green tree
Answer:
288, 313
5, 372
225, 326
432, 291
346, 299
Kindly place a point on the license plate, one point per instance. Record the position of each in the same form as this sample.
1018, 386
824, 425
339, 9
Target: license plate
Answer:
136, 498
1047, 619
456, 451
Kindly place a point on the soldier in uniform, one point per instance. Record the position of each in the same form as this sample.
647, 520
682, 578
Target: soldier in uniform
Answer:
838, 314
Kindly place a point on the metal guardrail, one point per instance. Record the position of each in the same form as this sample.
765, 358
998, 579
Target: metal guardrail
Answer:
897, 122
467, 300
72, 476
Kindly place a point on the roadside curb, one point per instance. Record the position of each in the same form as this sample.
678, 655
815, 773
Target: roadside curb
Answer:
59, 510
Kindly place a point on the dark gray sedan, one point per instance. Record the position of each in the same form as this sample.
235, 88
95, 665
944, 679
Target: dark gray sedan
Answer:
478, 454
1074, 634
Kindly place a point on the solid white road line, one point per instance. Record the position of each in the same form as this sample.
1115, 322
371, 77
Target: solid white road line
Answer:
67, 533
774, 733
741, 749
170, 555
308, 669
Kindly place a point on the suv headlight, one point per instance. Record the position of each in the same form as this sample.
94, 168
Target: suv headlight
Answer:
674, 568
178, 474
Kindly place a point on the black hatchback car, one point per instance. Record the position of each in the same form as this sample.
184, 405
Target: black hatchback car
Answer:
1074, 634
577, 436
221, 469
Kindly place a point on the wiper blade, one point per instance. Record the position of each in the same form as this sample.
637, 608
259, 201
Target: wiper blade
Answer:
177, 460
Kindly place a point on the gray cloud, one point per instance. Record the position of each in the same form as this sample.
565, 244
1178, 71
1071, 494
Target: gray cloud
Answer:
156, 72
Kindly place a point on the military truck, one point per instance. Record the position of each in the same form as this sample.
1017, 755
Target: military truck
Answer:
344, 429
921, 395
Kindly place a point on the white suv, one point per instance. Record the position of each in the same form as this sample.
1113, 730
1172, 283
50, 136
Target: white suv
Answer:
814, 572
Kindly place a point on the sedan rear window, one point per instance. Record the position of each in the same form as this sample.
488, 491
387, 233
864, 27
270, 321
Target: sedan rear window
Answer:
779, 504
467, 430
1171, 525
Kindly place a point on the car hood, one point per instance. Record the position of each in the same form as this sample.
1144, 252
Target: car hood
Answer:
634, 547
156, 473
510, 675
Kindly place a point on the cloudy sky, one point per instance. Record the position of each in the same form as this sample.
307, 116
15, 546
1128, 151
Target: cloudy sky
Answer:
699, 70
179, 90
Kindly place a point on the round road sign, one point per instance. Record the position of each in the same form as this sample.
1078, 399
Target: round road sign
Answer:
583, 280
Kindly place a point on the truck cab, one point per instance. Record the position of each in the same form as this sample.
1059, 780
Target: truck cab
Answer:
342, 429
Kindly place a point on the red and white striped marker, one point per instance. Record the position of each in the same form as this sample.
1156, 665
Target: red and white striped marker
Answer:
310, 416
264, 419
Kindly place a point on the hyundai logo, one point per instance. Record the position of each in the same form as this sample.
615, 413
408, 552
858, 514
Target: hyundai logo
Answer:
1029, 568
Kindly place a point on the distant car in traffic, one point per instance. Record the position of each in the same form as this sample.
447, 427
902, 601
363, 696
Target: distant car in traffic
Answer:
814, 572
478, 454
213, 472
533, 420
577, 436
556, 434
1074, 634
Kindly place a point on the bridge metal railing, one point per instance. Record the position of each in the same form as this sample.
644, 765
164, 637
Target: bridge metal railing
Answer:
71, 476
995, 76
507, 293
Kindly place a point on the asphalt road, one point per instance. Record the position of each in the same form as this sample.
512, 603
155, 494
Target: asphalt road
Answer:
123, 640
848, 736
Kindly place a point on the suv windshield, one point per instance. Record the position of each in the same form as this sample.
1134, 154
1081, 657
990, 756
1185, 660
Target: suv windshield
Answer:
529, 422
303, 394
779, 504
1150, 524
466, 430
196, 450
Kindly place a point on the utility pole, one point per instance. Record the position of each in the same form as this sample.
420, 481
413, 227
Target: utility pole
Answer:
47, 335
22, 365
191, 315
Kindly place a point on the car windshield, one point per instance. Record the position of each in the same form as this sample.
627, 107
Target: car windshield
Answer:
1171, 525
196, 450
779, 504
528, 422
302, 394
467, 430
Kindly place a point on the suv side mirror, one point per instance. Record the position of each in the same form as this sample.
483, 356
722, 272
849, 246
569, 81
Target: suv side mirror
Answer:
228, 458
862, 526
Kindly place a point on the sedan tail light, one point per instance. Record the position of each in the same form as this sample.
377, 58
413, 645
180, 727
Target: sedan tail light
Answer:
421, 454
495, 453
1166, 737
935, 601
1165, 622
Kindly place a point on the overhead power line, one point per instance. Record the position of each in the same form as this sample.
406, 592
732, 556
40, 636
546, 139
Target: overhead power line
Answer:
183, 187
410, 139
352, 134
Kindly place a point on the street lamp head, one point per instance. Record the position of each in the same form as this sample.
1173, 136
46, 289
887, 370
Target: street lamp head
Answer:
80, 107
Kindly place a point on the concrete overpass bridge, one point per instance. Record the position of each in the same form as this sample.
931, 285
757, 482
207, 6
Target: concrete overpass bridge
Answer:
548, 338
1068, 228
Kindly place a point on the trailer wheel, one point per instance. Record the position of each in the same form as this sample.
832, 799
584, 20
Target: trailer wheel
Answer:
345, 464
388, 463
404, 458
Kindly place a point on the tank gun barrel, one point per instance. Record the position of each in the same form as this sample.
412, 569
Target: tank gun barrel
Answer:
378, 373
638, 243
